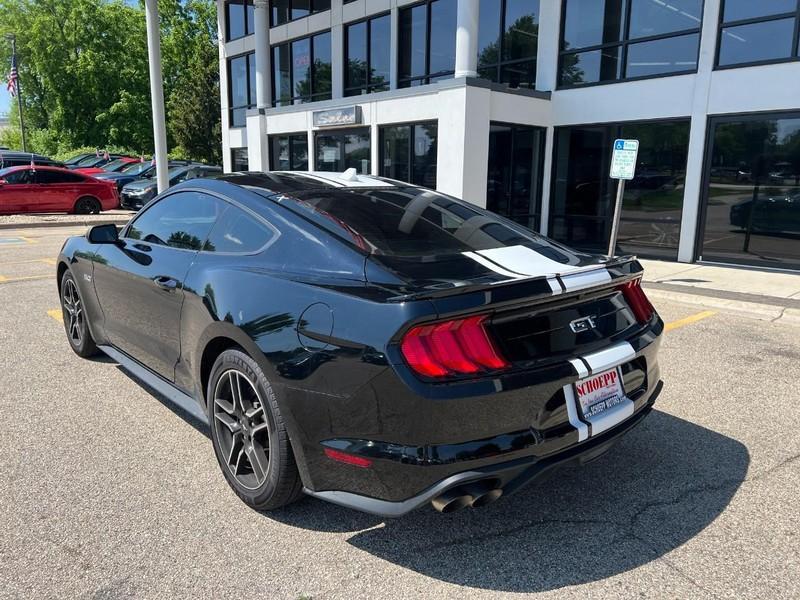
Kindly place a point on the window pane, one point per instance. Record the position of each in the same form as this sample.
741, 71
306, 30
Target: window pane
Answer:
736, 10
498, 180
760, 41
181, 220
356, 55
320, 5
395, 152
357, 152
654, 18
593, 22
280, 11
235, 16
298, 153
279, 148
321, 87
329, 153
521, 29
239, 160
380, 37
443, 36
519, 75
251, 18
237, 231
300, 8
412, 41
238, 76
424, 172
590, 67
663, 56
489, 32
301, 68
251, 67
753, 199
281, 80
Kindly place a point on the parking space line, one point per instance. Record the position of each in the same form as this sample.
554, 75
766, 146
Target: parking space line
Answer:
26, 278
47, 261
56, 314
689, 320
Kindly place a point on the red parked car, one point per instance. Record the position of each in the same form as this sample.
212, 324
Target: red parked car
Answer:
114, 166
50, 189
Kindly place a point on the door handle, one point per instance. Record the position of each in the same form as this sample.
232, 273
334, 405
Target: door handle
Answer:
165, 283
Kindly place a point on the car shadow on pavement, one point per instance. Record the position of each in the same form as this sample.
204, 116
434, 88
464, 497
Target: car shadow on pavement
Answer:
660, 486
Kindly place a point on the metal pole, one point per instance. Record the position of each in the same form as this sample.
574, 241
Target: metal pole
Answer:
612, 243
13, 39
157, 93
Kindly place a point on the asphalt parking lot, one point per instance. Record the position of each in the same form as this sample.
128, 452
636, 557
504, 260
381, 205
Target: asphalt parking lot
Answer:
106, 492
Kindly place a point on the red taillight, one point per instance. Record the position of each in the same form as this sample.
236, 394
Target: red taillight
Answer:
349, 459
456, 347
637, 301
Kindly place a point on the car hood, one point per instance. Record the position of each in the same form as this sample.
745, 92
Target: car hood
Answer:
141, 184
107, 175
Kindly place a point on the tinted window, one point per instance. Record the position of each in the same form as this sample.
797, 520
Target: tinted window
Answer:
340, 151
598, 34
238, 231
287, 10
402, 222
755, 42
58, 177
17, 177
181, 220
241, 87
302, 70
425, 56
408, 153
738, 10
367, 56
289, 152
239, 160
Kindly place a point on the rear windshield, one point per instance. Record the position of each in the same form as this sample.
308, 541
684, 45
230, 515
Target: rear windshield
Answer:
410, 222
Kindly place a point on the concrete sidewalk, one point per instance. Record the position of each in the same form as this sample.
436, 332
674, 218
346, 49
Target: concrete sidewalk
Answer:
27, 221
765, 295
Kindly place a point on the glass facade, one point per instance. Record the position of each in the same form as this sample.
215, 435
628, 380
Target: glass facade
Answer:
301, 70
514, 183
508, 35
609, 40
288, 152
751, 201
408, 153
367, 56
583, 196
343, 149
427, 40
283, 11
758, 32
239, 161
241, 87
239, 20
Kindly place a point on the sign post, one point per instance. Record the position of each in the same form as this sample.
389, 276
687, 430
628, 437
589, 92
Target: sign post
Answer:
623, 168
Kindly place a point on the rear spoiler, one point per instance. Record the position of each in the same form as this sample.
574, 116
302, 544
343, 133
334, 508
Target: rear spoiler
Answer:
544, 287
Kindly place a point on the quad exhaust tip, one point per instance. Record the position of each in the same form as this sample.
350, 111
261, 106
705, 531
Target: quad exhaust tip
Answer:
474, 495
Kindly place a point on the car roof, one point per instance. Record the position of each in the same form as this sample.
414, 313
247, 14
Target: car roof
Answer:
282, 182
42, 168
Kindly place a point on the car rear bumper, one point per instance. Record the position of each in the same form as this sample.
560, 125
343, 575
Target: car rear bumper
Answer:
509, 476
508, 429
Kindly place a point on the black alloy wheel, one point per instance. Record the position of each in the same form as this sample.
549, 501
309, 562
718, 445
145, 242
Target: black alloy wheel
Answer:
74, 316
250, 439
87, 206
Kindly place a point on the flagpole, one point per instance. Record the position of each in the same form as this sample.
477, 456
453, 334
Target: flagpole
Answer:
13, 39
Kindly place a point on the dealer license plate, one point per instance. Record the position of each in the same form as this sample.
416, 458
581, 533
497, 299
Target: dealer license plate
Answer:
599, 393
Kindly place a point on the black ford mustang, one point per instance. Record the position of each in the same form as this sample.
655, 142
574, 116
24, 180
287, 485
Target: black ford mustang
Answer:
367, 342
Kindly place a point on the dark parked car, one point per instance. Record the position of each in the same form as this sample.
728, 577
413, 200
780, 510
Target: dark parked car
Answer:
373, 344
136, 171
74, 160
136, 194
9, 158
779, 215
93, 160
50, 189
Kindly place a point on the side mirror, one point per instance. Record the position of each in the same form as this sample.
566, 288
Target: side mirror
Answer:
103, 234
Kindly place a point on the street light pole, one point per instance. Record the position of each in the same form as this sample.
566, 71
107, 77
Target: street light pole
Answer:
157, 93
13, 39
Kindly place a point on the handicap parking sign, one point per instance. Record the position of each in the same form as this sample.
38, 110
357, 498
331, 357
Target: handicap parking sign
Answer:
623, 160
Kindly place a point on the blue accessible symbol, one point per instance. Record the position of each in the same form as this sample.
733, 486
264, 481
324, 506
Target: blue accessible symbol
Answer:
619, 145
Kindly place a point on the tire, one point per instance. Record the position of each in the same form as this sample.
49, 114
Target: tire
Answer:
86, 205
75, 324
249, 435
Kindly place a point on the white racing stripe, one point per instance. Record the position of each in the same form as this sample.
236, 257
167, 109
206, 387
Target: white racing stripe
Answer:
492, 266
610, 357
584, 279
572, 413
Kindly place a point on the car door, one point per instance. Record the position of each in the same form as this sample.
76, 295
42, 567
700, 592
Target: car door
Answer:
58, 190
139, 282
18, 193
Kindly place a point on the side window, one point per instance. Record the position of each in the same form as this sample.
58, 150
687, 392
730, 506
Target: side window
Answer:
57, 177
19, 177
238, 232
181, 220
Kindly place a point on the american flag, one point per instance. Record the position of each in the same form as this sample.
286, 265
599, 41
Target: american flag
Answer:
12, 78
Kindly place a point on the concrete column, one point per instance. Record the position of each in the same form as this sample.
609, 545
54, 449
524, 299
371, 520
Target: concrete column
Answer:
375, 147
697, 136
394, 45
263, 67
547, 51
467, 38
223, 84
157, 92
312, 153
547, 175
337, 61
257, 142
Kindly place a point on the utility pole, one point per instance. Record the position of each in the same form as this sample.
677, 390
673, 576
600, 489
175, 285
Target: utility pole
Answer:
157, 92
13, 39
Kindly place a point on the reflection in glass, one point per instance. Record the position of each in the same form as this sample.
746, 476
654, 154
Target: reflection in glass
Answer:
289, 152
367, 56
302, 70
769, 40
590, 67
424, 57
752, 202
408, 153
241, 90
507, 54
738, 10
592, 22
654, 18
341, 150
669, 55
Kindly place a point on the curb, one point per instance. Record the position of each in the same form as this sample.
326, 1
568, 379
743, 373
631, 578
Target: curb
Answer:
76, 223
753, 310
